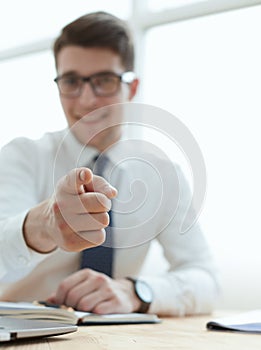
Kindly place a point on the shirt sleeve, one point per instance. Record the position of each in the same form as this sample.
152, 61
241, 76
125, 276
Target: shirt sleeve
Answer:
190, 286
18, 170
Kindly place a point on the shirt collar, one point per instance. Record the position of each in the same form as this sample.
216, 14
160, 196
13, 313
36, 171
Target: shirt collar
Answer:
80, 154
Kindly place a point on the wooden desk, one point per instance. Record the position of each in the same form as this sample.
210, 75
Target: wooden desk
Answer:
173, 333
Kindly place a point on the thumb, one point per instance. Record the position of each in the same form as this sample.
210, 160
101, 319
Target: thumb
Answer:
52, 298
74, 182
84, 176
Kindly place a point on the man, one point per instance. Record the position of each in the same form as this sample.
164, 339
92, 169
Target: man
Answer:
52, 206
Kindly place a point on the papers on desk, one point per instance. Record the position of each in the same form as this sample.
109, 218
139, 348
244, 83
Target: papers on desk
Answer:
70, 316
249, 322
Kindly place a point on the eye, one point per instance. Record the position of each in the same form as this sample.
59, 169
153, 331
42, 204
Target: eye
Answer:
105, 81
70, 81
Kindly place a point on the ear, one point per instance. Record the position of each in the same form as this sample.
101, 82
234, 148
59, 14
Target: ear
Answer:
133, 87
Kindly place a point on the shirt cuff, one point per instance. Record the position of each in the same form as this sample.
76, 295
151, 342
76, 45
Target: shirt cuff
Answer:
165, 297
181, 293
16, 258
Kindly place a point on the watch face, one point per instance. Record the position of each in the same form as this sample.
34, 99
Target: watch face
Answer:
144, 291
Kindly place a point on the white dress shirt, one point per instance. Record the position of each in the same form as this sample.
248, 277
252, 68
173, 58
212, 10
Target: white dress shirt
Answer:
151, 204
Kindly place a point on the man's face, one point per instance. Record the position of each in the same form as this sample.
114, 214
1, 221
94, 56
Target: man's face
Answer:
93, 128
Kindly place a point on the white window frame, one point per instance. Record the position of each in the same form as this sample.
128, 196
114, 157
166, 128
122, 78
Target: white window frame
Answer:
142, 19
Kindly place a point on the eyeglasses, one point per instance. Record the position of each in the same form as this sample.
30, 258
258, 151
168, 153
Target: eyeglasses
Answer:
103, 84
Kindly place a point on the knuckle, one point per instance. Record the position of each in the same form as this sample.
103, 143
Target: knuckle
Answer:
93, 273
98, 309
103, 202
99, 221
63, 286
83, 305
71, 296
109, 291
95, 237
101, 278
85, 272
104, 219
99, 238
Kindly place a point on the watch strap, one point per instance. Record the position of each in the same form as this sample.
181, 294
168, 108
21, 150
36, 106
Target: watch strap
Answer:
144, 306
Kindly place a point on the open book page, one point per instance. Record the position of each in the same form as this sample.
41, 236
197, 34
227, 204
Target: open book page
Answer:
244, 322
90, 318
32, 311
69, 316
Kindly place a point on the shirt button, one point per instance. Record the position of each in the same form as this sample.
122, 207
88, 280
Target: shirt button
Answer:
23, 260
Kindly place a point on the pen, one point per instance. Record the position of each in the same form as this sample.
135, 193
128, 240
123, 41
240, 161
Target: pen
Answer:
46, 303
56, 306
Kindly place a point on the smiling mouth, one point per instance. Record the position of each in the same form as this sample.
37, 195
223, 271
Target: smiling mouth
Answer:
92, 118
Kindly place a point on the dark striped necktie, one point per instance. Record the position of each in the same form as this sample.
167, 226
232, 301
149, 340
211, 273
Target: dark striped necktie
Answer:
100, 258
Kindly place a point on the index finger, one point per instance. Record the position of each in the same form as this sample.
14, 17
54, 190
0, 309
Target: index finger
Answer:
80, 180
99, 184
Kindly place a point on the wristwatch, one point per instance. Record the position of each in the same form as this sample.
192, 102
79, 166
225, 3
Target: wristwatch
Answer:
144, 292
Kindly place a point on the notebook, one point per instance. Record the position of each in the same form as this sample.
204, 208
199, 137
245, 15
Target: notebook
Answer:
248, 322
15, 329
62, 314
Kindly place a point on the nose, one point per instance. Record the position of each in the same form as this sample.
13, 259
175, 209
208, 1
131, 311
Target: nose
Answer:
87, 97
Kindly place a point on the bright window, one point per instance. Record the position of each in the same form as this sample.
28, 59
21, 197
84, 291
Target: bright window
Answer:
29, 98
27, 21
155, 5
207, 72
29, 102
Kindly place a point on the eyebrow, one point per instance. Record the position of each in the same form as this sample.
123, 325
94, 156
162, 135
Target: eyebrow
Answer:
72, 72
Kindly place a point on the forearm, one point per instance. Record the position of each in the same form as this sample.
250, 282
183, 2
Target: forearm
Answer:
16, 258
183, 292
21, 191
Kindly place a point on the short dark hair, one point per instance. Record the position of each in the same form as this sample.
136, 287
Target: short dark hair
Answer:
98, 29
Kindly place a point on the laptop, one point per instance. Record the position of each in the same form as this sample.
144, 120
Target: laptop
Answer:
15, 329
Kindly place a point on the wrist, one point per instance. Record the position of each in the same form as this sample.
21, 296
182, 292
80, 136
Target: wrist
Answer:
34, 230
134, 300
143, 293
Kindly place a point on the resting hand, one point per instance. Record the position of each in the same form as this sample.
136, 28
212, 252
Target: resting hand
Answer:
92, 291
74, 217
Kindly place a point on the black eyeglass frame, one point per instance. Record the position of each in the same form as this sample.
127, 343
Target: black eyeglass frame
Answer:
126, 77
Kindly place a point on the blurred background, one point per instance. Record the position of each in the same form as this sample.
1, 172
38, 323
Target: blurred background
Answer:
198, 60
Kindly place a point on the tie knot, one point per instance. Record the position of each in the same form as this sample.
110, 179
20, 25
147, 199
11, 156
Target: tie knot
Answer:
100, 164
